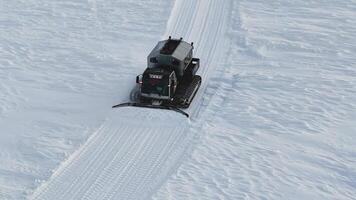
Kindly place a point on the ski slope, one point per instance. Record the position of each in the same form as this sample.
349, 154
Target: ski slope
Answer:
274, 118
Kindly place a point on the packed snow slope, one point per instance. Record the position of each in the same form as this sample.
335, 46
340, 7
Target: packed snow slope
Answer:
274, 118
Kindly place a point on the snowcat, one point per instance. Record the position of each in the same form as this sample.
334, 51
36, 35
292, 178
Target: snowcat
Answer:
170, 80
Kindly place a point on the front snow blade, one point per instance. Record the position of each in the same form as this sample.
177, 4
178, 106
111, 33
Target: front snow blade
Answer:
152, 106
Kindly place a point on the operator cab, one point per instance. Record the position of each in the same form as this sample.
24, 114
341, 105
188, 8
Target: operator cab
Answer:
158, 83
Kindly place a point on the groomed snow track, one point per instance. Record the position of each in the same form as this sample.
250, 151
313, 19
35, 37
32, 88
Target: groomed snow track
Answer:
136, 149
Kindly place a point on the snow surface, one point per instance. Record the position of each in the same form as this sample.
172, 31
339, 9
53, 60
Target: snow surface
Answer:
63, 64
280, 113
274, 119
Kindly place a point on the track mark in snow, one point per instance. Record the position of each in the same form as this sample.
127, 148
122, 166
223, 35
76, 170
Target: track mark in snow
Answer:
204, 23
122, 160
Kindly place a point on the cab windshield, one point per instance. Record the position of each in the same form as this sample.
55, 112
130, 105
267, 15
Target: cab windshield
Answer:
155, 84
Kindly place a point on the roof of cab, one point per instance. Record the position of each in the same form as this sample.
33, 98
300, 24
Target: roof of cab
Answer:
176, 48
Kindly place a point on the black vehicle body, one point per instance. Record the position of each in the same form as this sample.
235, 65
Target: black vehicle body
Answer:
170, 79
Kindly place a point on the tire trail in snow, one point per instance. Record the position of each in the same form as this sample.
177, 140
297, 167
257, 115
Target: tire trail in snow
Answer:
117, 160
127, 159
204, 23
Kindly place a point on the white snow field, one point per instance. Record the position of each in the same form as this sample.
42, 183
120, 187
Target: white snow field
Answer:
274, 118
63, 64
